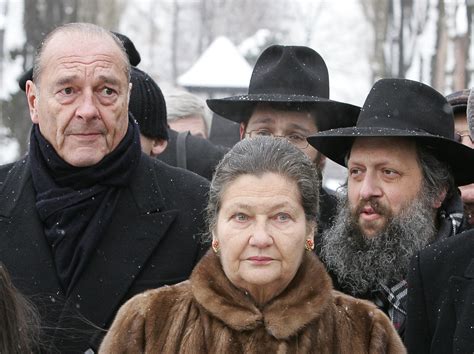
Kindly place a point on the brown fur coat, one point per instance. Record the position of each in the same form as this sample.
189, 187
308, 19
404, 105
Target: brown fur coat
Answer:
207, 314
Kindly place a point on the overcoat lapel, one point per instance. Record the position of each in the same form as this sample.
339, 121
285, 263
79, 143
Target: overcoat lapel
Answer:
111, 271
124, 249
26, 240
454, 324
24, 249
462, 289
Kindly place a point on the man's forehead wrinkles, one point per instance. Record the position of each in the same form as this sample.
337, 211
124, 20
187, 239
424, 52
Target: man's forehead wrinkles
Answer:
106, 60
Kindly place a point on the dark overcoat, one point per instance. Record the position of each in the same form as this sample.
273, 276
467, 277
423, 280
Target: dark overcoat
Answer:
440, 316
152, 240
202, 156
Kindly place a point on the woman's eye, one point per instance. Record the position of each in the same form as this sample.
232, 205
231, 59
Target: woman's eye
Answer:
240, 217
282, 217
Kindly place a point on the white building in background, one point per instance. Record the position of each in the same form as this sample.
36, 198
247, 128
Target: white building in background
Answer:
220, 71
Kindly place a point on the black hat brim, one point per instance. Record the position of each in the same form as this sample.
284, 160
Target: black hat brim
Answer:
332, 113
336, 144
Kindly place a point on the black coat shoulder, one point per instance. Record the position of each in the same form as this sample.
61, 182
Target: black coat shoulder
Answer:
202, 156
440, 308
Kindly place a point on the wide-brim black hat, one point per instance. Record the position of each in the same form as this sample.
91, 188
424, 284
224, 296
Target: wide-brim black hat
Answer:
405, 109
132, 53
296, 76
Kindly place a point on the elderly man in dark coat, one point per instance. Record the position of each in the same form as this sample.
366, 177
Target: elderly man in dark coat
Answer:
404, 168
441, 298
87, 220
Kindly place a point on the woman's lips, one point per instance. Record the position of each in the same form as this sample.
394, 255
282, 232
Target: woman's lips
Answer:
260, 259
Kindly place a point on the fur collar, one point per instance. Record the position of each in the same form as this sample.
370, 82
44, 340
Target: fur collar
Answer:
305, 299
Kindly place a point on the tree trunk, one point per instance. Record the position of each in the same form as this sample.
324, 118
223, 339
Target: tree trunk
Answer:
438, 78
175, 41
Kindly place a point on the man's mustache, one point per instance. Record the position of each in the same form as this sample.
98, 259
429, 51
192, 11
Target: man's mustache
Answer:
374, 204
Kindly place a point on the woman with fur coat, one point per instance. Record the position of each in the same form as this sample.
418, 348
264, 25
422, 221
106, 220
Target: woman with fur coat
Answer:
261, 289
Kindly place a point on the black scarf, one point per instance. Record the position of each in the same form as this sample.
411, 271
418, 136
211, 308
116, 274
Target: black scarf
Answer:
76, 204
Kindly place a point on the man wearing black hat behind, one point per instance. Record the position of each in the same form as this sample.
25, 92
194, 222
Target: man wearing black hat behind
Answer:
87, 220
403, 167
463, 133
288, 96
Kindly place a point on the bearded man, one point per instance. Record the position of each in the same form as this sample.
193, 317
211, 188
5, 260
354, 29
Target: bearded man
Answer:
403, 168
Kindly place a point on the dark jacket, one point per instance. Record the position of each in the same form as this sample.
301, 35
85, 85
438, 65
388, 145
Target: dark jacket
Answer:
201, 156
208, 314
440, 316
152, 240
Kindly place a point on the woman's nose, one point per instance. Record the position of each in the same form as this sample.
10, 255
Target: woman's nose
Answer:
261, 236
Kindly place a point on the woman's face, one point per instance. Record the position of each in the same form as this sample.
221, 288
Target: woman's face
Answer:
261, 229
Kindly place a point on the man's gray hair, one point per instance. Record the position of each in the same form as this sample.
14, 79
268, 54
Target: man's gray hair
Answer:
77, 27
180, 104
258, 156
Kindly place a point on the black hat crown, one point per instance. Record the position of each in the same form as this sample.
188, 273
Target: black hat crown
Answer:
290, 70
407, 105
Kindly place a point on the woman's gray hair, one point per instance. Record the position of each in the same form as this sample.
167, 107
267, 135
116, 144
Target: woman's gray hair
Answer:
258, 156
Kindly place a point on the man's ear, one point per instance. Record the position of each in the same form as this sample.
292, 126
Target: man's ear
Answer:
32, 98
439, 199
242, 130
158, 146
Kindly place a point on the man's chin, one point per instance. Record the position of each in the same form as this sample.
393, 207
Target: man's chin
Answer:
84, 157
371, 229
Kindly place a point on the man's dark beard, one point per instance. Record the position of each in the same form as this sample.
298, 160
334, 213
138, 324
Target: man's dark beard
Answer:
361, 264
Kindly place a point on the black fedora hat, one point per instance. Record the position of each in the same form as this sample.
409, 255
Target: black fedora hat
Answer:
290, 75
408, 109
132, 53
